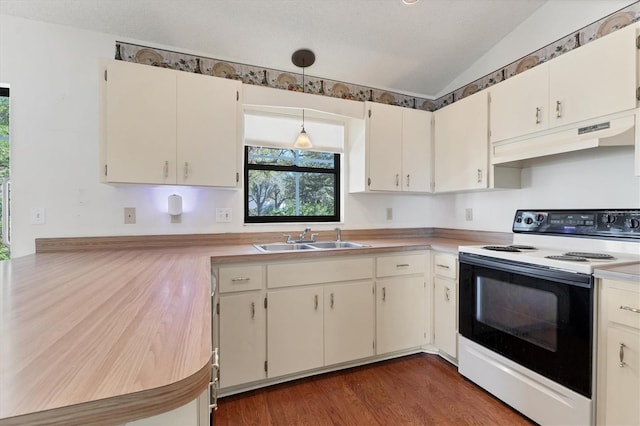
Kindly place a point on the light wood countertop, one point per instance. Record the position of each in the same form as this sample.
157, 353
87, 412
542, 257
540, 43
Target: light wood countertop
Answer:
629, 272
109, 336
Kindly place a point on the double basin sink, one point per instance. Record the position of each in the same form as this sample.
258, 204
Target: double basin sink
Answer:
317, 245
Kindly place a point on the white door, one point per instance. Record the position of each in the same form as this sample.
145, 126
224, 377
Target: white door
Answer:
207, 130
348, 322
295, 338
140, 123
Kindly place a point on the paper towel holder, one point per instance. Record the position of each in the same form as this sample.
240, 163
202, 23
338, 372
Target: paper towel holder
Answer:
175, 205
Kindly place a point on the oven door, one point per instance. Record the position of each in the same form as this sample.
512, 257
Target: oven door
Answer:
539, 317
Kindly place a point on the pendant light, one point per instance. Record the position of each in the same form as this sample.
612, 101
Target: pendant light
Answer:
303, 58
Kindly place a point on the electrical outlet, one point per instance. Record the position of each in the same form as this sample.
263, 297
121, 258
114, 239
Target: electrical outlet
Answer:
38, 216
389, 213
129, 215
223, 215
468, 214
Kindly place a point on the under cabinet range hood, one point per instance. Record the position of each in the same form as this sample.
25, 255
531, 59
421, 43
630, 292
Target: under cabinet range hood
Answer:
614, 130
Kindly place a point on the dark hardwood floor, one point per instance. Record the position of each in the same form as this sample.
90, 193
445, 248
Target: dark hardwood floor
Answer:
419, 389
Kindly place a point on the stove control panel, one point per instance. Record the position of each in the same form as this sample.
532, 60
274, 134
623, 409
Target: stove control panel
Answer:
615, 223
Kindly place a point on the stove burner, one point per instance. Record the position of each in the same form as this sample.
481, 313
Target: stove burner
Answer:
502, 248
567, 257
521, 247
601, 256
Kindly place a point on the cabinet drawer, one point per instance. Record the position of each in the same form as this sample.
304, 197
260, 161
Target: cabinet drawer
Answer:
445, 265
623, 307
324, 271
389, 266
240, 278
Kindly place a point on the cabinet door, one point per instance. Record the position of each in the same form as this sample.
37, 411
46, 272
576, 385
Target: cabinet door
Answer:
294, 331
242, 338
400, 308
622, 391
416, 150
519, 105
461, 144
140, 123
208, 143
445, 335
384, 141
594, 80
348, 322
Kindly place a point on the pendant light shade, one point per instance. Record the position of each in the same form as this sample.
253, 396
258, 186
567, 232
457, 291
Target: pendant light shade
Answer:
303, 58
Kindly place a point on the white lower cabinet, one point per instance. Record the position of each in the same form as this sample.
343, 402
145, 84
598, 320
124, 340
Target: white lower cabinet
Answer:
242, 338
194, 413
400, 302
618, 380
294, 330
445, 303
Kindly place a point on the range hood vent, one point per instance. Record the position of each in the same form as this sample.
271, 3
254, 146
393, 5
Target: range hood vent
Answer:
615, 130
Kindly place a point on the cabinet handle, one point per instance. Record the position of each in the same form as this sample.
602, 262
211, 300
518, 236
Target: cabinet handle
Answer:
629, 308
166, 169
442, 266
384, 294
253, 310
446, 294
331, 297
621, 355
240, 279
316, 302
537, 115
558, 109
402, 265
397, 179
638, 89
479, 175
408, 181
186, 170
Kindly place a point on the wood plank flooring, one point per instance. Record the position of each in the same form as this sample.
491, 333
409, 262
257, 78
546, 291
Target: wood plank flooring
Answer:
419, 389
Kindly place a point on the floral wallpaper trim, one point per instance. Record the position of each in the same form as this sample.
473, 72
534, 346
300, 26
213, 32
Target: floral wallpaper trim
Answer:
251, 74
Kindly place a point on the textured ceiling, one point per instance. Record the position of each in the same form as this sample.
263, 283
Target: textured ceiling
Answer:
416, 50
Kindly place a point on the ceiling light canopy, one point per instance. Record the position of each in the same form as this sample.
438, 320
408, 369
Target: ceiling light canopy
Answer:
303, 58
409, 2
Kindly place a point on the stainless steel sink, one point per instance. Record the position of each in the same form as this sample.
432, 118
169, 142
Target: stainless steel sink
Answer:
336, 244
318, 245
282, 247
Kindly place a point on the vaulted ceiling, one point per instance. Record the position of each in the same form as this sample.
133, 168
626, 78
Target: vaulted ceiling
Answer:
413, 49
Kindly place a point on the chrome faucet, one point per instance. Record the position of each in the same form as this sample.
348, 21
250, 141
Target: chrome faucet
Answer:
338, 234
303, 235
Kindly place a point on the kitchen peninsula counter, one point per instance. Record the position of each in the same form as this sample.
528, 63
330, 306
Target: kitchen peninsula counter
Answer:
94, 332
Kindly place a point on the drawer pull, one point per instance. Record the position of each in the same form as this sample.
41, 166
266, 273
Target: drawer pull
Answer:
621, 355
402, 265
558, 109
538, 115
442, 266
240, 279
629, 308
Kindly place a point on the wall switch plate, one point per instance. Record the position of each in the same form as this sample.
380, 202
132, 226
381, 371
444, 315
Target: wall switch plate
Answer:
38, 216
223, 215
129, 215
468, 214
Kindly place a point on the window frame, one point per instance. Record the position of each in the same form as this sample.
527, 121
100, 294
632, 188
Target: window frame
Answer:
336, 171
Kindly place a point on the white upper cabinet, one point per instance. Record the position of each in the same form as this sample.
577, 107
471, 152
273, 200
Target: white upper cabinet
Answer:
594, 80
461, 137
162, 126
394, 154
520, 104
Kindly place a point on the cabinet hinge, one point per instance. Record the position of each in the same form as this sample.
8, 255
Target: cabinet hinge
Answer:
374, 345
105, 170
368, 181
638, 93
266, 367
237, 177
265, 302
218, 308
638, 42
369, 112
425, 335
237, 95
433, 186
105, 75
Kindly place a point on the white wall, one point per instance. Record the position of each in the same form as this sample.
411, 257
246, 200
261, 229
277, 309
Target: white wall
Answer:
53, 73
552, 21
